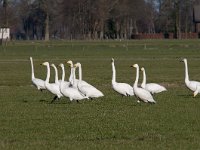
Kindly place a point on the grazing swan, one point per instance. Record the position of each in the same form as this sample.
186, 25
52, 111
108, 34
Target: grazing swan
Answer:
52, 87
122, 88
151, 87
141, 93
192, 85
87, 89
38, 83
70, 92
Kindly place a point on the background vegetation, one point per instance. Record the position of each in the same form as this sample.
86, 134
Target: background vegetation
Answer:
95, 19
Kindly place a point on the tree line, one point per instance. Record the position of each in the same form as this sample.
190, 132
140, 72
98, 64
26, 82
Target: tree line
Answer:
95, 19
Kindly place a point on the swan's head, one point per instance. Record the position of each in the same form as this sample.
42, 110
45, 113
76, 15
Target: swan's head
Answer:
45, 63
52, 65
31, 58
112, 60
77, 65
70, 63
135, 66
142, 69
183, 60
61, 65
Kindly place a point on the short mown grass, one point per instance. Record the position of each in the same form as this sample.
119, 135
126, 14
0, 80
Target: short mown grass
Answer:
29, 121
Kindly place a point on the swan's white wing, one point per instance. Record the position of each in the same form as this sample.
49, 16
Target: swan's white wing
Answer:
73, 94
192, 85
144, 95
54, 89
90, 91
123, 88
154, 88
39, 83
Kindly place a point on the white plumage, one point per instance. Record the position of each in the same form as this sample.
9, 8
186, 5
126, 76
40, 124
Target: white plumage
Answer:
72, 79
122, 88
85, 88
70, 92
151, 87
141, 93
51, 87
192, 85
38, 83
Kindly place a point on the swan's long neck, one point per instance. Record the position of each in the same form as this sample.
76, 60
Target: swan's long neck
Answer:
63, 77
144, 79
48, 74
80, 73
63, 74
74, 75
114, 73
137, 77
71, 75
32, 69
56, 74
186, 72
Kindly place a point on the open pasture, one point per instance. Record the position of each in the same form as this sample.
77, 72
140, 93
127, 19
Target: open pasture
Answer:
29, 121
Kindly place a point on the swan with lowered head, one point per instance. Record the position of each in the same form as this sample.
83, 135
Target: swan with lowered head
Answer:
151, 87
122, 88
192, 85
87, 89
51, 87
141, 93
38, 83
70, 92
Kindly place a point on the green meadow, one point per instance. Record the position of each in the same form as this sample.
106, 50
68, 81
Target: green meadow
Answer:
29, 121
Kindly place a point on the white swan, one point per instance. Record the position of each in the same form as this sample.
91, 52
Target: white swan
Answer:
141, 93
87, 89
70, 92
51, 87
122, 88
72, 78
192, 85
38, 83
151, 87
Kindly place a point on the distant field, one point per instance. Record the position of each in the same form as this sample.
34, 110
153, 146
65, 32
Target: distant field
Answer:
29, 121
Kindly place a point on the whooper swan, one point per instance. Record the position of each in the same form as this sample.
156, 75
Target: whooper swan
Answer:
38, 83
122, 88
70, 92
51, 87
192, 85
87, 89
151, 87
141, 93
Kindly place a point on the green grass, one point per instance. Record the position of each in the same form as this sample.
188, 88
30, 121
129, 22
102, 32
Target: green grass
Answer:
29, 121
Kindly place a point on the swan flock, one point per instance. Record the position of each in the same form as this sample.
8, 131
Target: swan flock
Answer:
78, 89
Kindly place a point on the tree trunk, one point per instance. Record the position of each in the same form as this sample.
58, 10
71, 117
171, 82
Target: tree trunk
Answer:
47, 27
101, 29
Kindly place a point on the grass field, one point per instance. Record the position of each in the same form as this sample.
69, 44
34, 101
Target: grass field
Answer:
29, 121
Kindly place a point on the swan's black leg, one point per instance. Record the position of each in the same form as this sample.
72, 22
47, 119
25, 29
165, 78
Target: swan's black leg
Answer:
77, 101
54, 99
